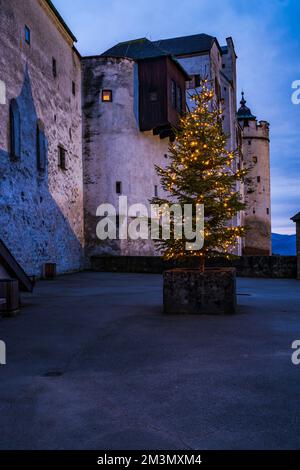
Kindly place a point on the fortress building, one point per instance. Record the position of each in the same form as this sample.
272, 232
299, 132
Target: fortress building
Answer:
256, 153
77, 132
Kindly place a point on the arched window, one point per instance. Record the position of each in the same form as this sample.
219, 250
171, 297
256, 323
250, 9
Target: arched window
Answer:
15, 130
40, 146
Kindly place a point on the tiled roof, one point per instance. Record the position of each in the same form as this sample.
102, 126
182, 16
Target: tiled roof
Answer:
140, 49
187, 44
137, 49
296, 218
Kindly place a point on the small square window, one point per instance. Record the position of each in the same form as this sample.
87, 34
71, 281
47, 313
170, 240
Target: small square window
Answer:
62, 158
258, 179
73, 88
268, 211
249, 142
107, 96
118, 187
54, 67
254, 159
27, 35
223, 66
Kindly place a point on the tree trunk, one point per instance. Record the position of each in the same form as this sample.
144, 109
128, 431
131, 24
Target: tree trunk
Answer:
202, 264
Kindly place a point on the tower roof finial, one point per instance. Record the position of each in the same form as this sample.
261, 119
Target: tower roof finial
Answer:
244, 112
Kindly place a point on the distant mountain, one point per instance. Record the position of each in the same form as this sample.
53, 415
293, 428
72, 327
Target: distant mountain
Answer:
284, 244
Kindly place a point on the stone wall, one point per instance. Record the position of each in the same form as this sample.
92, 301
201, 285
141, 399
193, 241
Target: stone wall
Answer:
41, 212
256, 151
247, 266
115, 150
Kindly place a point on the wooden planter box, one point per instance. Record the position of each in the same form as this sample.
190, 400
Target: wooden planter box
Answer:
190, 291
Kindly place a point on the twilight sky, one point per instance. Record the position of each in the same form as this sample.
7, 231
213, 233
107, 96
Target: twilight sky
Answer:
267, 40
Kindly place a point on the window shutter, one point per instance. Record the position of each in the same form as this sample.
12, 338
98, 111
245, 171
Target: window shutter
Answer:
15, 130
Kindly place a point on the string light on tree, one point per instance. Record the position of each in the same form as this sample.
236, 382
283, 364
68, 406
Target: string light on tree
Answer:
201, 169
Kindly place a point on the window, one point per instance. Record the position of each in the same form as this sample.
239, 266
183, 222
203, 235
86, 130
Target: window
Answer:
179, 99
73, 88
156, 190
54, 67
258, 179
254, 159
254, 211
27, 35
107, 96
40, 146
197, 81
62, 157
173, 93
118, 187
249, 142
194, 82
15, 130
153, 96
268, 211
223, 66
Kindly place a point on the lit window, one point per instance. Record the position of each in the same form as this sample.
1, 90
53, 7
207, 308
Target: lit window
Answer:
27, 35
62, 160
107, 96
118, 187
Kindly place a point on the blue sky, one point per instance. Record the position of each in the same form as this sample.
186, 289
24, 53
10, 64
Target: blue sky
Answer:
267, 39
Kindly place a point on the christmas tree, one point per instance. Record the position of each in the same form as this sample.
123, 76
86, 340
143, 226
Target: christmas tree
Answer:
202, 171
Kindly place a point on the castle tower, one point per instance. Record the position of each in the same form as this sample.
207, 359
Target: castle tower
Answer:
256, 154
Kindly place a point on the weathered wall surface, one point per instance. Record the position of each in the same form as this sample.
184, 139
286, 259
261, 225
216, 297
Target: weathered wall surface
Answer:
256, 151
247, 266
115, 150
41, 213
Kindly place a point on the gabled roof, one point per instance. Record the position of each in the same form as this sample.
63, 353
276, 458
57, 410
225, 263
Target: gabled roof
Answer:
141, 49
296, 218
136, 49
61, 20
184, 45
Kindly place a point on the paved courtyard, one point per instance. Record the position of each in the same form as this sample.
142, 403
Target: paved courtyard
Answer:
92, 363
